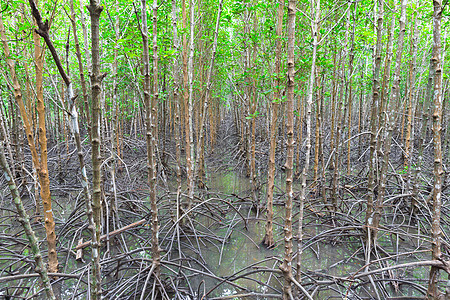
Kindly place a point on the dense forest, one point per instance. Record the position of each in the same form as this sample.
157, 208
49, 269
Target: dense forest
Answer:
224, 149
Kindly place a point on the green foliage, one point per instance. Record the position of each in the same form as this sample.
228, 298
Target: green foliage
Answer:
253, 116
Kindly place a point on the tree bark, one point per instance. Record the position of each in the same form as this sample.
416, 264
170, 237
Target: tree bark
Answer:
286, 266
188, 105
309, 104
433, 291
177, 99
373, 169
154, 134
96, 81
150, 125
351, 56
253, 103
268, 239
384, 139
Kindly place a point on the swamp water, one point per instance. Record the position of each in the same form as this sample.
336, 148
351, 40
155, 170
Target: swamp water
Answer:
241, 252
239, 256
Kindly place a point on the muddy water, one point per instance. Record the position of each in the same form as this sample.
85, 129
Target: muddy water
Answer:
242, 252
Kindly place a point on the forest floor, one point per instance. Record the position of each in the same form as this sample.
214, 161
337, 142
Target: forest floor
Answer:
217, 252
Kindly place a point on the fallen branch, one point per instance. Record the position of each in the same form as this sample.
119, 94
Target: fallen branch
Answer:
115, 232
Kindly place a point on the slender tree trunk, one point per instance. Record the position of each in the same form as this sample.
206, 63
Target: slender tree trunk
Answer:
317, 132
338, 125
436, 234
425, 115
337, 138
204, 110
96, 81
268, 239
413, 49
351, 56
214, 121
43, 170
360, 114
13, 120
154, 134
299, 141
286, 266
395, 94
321, 153
188, 105
80, 65
374, 123
177, 99
334, 87
412, 96
114, 124
385, 133
150, 125
309, 104
246, 105
253, 103
30, 105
